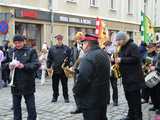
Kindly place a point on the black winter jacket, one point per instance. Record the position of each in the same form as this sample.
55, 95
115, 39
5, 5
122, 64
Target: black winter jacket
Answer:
130, 67
91, 89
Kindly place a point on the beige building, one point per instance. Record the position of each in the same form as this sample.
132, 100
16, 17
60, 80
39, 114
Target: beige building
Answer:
30, 18
79, 15
33, 18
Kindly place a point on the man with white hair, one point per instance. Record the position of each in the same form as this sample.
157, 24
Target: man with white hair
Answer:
132, 75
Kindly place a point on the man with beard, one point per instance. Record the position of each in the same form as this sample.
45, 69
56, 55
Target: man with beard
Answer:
132, 75
91, 89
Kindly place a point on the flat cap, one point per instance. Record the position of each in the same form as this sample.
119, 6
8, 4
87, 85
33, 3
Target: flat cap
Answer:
18, 38
59, 36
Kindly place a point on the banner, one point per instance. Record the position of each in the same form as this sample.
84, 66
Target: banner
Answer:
147, 29
101, 32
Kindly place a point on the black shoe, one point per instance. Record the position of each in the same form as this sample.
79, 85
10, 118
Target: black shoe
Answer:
158, 112
152, 109
54, 99
77, 111
115, 103
66, 100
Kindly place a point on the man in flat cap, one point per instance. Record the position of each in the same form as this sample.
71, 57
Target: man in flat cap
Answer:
91, 89
57, 55
132, 75
24, 61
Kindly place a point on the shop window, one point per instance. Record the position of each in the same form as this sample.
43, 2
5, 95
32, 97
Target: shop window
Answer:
31, 31
71, 1
130, 34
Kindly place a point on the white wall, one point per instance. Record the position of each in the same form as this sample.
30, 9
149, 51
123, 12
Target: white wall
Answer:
82, 7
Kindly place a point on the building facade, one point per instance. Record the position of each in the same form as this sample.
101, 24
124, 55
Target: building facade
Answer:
80, 15
41, 20
152, 11
30, 18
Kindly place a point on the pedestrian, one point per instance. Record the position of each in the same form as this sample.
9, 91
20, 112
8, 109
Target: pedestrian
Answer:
24, 61
57, 55
1, 59
110, 48
5, 70
91, 89
43, 61
132, 75
77, 54
154, 92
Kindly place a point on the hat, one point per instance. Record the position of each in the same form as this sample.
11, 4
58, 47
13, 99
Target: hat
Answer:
121, 36
151, 45
59, 37
89, 37
18, 38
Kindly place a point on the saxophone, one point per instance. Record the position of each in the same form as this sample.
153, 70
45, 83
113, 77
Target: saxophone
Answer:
70, 71
115, 68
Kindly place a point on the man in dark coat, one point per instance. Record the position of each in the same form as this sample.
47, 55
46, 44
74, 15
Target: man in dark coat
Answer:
132, 75
25, 64
92, 86
58, 54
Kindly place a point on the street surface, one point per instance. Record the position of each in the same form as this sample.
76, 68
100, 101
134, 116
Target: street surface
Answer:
60, 110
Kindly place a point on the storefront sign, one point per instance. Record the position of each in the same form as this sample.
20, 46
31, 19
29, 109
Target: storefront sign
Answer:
29, 13
74, 19
32, 14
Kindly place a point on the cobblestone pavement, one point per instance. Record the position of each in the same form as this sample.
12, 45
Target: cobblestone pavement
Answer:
60, 110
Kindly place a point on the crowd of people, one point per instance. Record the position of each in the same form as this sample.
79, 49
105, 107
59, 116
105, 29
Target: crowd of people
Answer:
93, 69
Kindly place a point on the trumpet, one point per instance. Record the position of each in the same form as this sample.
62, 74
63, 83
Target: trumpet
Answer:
12, 70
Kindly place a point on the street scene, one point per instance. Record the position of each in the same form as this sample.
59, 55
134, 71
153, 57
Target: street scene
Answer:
79, 60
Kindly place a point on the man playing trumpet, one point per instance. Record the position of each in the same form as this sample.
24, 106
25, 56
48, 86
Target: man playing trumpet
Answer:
24, 61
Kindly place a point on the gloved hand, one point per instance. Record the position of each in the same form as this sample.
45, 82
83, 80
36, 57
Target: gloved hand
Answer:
13, 64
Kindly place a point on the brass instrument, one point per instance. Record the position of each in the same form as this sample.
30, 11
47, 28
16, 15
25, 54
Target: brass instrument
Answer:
70, 71
115, 68
12, 70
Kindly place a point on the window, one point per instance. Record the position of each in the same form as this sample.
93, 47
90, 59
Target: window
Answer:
71, 1
113, 4
94, 3
130, 6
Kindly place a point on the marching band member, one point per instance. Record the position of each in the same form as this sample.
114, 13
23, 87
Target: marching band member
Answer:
154, 92
77, 53
92, 85
150, 60
24, 77
132, 75
111, 49
56, 56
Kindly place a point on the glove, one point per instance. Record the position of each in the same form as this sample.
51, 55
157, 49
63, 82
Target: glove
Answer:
13, 64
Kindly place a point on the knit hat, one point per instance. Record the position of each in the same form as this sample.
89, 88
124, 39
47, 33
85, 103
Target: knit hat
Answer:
121, 36
18, 38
